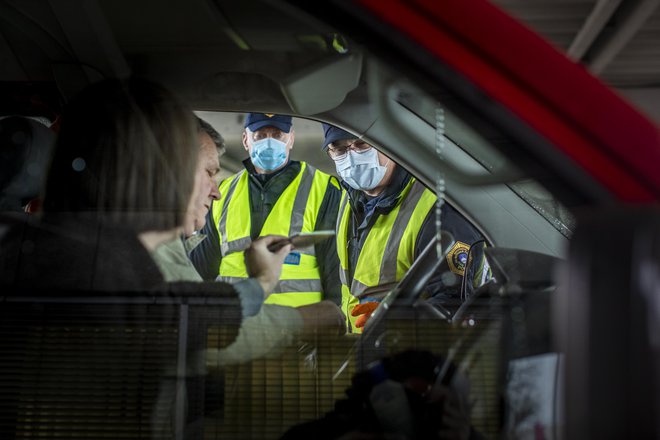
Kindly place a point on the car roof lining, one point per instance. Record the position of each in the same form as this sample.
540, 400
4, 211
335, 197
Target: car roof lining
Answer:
191, 51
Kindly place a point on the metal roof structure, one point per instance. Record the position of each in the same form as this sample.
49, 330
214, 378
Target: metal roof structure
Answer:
617, 40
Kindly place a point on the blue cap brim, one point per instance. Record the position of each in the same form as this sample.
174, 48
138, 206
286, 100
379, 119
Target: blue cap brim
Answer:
270, 123
334, 134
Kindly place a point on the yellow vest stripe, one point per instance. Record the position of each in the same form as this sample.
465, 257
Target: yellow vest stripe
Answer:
220, 210
397, 249
305, 195
284, 286
293, 300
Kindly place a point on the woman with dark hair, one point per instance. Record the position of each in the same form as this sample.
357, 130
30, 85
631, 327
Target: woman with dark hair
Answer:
126, 154
120, 181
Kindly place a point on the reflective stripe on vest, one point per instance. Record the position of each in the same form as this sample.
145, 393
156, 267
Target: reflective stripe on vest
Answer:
295, 211
389, 249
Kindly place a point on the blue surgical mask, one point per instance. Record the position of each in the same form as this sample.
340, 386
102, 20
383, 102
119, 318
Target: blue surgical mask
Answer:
268, 154
361, 171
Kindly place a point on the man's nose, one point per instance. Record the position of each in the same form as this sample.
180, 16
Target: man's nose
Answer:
215, 192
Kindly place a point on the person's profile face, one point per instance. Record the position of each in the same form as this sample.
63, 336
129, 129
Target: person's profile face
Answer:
205, 190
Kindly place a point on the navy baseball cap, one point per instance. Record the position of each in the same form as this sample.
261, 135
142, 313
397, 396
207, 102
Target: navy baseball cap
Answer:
334, 134
255, 121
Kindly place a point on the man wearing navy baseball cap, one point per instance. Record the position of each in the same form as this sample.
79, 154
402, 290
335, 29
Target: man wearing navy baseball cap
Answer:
255, 121
268, 139
274, 195
386, 212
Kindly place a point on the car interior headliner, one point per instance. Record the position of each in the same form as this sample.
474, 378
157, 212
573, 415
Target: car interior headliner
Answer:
218, 55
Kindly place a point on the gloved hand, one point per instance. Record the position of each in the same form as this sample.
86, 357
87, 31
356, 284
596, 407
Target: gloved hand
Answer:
364, 311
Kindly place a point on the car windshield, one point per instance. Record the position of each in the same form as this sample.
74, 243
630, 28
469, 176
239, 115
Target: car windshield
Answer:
259, 219
482, 150
546, 205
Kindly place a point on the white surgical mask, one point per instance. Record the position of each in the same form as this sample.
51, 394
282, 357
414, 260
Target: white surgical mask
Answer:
361, 171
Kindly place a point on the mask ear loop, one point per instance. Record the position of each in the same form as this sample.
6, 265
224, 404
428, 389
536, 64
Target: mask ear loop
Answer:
288, 141
386, 163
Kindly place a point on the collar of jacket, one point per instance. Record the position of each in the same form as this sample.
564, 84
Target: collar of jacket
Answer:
190, 243
263, 178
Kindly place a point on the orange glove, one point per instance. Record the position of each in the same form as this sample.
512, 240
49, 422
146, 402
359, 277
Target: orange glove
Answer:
364, 311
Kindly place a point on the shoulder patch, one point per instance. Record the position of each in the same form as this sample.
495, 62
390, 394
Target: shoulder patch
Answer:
457, 257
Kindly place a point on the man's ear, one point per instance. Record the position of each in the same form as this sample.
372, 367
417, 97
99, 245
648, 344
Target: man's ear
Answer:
245, 140
292, 136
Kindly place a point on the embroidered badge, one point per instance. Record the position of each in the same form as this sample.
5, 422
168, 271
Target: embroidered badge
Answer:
457, 257
293, 258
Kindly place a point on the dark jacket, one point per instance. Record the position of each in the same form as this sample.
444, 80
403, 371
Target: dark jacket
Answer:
265, 190
79, 327
365, 211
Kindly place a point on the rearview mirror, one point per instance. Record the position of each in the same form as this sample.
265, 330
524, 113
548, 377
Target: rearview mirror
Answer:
477, 270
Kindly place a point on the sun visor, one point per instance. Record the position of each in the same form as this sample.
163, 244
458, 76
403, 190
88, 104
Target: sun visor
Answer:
323, 86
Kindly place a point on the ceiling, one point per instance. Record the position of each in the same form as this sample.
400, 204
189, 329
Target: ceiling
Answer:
617, 40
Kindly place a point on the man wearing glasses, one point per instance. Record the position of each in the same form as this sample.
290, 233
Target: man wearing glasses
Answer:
386, 219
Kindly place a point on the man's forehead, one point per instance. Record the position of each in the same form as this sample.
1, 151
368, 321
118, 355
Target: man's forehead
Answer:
267, 128
208, 150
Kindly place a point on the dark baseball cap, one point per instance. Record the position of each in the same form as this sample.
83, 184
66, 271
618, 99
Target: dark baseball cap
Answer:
333, 134
255, 121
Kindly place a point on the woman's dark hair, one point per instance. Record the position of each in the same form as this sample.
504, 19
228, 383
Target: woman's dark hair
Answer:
126, 153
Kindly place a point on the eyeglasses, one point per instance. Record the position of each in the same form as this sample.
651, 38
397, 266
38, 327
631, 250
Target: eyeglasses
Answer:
339, 150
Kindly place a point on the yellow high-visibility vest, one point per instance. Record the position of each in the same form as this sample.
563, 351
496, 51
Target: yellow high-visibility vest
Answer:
389, 249
295, 211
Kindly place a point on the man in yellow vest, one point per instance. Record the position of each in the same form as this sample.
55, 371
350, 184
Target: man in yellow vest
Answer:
274, 196
386, 219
